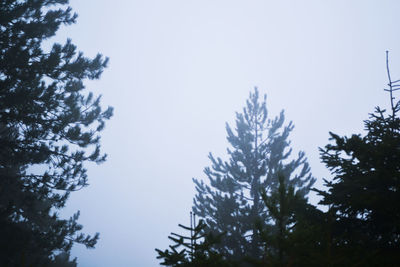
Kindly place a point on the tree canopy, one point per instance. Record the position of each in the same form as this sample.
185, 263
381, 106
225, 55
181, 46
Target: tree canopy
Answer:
198, 249
49, 129
231, 202
364, 194
257, 199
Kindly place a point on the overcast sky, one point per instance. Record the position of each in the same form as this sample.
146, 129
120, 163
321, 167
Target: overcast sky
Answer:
180, 69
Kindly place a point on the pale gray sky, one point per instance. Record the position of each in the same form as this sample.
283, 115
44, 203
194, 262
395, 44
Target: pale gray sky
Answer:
179, 69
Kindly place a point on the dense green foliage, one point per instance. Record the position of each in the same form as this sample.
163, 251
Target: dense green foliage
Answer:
48, 129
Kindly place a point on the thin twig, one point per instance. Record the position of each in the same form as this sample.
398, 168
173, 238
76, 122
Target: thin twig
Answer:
390, 84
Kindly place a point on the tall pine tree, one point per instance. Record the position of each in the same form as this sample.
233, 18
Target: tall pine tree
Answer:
364, 195
49, 128
230, 202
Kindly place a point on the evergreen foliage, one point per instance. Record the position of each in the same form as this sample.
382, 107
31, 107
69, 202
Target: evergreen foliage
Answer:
231, 203
195, 250
364, 195
280, 205
258, 200
48, 129
294, 234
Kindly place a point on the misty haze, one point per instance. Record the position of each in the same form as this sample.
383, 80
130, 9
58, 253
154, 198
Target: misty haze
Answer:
199, 133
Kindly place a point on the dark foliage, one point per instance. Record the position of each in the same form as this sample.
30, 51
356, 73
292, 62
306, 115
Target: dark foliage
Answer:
294, 235
194, 250
48, 129
364, 195
262, 208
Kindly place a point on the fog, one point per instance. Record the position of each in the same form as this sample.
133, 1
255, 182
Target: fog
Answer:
180, 69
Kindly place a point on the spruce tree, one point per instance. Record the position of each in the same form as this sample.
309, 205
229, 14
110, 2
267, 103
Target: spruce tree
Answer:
230, 202
49, 129
364, 195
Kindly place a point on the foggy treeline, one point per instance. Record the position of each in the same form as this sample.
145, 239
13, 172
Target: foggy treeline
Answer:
251, 210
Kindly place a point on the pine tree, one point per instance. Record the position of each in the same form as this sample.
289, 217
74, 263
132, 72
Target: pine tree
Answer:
364, 195
231, 202
49, 128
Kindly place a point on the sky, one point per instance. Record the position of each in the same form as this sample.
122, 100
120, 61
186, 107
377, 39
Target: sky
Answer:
180, 69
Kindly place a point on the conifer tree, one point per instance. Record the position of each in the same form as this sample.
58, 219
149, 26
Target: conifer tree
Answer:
194, 250
230, 201
281, 206
49, 128
364, 195
294, 235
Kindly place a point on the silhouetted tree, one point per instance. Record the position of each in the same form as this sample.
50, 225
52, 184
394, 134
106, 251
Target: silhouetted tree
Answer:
48, 129
294, 235
281, 206
231, 202
194, 250
364, 195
